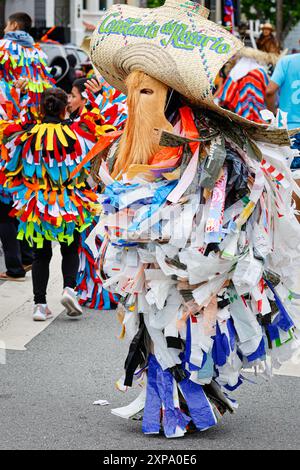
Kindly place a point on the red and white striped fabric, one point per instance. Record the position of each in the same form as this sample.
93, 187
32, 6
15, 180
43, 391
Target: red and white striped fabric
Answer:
275, 173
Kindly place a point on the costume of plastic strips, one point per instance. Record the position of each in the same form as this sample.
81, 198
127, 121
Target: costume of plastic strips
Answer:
196, 212
203, 250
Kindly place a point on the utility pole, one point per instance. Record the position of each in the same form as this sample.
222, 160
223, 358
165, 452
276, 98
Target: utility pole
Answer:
279, 20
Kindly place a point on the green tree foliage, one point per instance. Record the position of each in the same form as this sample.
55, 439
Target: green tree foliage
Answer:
155, 3
265, 10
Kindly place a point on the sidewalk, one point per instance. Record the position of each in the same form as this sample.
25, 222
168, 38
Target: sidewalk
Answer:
16, 326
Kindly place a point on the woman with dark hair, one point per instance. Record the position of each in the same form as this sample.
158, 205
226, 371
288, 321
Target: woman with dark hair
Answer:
49, 203
78, 98
84, 93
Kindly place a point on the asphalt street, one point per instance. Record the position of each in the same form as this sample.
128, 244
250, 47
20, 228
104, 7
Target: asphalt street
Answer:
47, 395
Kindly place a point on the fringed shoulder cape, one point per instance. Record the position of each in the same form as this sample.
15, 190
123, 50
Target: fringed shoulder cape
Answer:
16, 62
38, 161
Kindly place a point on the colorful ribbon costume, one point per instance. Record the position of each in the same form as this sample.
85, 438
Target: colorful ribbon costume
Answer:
38, 161
108, 107
18, 61
246, 96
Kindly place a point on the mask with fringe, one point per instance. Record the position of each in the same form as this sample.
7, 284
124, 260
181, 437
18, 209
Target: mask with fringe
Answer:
146, 111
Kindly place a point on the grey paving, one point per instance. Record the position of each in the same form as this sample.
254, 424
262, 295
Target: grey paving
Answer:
46, 396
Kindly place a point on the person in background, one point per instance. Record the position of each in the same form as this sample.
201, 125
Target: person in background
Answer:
18, 255
50, 203
105, 105
83, 92
284, 91
267, 41
84, 99
19, 57
244, 89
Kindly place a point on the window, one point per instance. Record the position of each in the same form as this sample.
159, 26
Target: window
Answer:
40, 14
102, 4
82, 56
62, 13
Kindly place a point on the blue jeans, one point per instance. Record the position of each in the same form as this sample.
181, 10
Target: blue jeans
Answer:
296, 145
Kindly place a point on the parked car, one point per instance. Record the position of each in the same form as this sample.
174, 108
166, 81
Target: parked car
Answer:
57, 58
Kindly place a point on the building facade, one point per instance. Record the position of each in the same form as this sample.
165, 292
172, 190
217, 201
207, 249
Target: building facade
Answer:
292, 41
71, 14
64, 13
47, 13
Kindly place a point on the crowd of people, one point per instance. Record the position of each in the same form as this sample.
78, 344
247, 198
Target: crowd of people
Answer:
170, 205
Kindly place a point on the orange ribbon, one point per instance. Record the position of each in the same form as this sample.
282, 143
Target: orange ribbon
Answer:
103, 143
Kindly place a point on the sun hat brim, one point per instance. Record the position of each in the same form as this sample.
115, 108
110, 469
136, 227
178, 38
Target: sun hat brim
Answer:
177, 45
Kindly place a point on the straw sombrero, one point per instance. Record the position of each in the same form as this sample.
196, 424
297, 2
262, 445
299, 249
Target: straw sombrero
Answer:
262, 57
175, 43
86, 45
267, 26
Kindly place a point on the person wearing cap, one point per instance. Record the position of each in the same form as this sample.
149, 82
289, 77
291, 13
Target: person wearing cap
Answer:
267, 41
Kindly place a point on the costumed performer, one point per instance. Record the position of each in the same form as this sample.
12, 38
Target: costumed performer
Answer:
18, 255
244, 89
38, 159
105, 105
195, 216
19, 58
